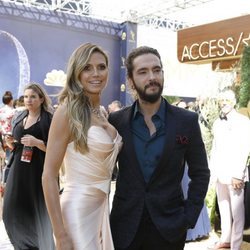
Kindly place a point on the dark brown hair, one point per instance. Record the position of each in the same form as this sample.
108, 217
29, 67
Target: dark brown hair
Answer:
138, 52
7, 97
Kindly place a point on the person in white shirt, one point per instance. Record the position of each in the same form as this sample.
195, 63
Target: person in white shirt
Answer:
230, 150
6, 113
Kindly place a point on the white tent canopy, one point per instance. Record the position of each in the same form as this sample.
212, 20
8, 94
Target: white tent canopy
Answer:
181, 13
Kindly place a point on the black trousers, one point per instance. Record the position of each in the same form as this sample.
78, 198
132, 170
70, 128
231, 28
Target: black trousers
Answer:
149, 238
247, 203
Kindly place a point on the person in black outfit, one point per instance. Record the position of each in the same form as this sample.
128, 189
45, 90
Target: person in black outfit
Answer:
24, 211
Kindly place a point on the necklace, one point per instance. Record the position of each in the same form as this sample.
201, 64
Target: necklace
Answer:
97, 112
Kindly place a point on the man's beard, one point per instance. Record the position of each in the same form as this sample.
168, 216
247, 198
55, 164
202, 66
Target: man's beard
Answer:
152, 98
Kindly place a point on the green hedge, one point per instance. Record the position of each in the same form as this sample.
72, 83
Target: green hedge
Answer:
244, 92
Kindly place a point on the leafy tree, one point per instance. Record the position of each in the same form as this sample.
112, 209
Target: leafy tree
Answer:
244, 92
171, 99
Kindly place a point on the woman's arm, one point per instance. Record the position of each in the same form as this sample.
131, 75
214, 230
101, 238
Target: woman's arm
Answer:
56, 147
31, 141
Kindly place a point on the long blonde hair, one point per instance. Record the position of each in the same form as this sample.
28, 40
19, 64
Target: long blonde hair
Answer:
73, 95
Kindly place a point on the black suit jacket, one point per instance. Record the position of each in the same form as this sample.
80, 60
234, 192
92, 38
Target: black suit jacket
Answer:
162, 195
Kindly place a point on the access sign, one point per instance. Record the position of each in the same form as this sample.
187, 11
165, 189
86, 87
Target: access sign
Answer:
221, 40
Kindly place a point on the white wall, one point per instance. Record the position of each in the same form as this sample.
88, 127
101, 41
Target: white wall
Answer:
187, 80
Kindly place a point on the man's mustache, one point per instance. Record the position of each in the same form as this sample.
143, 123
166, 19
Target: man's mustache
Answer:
153, 83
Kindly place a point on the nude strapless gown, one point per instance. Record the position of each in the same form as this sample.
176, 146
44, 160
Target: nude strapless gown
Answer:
85, 199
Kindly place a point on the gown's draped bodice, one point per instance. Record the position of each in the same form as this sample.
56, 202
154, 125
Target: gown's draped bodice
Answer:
84, 201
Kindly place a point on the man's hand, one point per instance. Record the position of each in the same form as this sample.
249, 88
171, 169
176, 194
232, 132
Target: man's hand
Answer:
237, 183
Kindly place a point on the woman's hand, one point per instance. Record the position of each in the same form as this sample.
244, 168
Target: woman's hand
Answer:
29, 140
9, 140
64, 243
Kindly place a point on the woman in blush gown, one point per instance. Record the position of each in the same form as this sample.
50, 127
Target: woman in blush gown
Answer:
81, 135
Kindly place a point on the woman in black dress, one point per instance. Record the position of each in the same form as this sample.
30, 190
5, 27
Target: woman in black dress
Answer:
24, 211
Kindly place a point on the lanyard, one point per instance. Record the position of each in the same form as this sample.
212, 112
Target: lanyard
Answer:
38, 118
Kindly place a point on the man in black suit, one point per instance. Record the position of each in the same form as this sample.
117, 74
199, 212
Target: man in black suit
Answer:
149, 211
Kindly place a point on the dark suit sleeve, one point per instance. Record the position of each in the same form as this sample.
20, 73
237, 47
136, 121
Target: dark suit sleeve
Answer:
198, 172
114, 119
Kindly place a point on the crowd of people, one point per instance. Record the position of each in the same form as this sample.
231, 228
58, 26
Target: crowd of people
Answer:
154, 151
